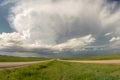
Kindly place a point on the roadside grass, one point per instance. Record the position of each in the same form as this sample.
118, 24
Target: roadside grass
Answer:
57, 70
103, 57
20, 59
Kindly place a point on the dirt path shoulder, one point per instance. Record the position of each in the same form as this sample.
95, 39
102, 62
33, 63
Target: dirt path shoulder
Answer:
94, 61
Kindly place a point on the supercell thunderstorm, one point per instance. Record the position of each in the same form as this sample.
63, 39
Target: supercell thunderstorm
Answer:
61, 26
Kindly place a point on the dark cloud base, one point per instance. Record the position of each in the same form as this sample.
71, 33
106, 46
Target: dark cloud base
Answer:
54, 54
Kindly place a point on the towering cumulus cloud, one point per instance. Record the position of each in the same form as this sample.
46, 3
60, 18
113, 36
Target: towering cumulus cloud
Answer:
61, 26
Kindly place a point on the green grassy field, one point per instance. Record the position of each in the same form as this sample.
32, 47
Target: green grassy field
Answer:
19, 59
56, 70
104, 57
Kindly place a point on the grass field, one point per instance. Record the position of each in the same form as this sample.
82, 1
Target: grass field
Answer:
104, 57
19, 59
56, 70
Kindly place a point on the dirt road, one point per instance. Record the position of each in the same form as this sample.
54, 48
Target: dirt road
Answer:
18, 64
95, 61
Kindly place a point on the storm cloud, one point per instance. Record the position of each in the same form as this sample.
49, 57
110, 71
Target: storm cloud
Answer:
60, 26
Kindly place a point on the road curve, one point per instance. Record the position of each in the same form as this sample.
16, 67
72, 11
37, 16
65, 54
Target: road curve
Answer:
18, 64
95, 61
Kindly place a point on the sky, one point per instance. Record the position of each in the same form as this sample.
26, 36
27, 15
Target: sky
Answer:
59, 28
